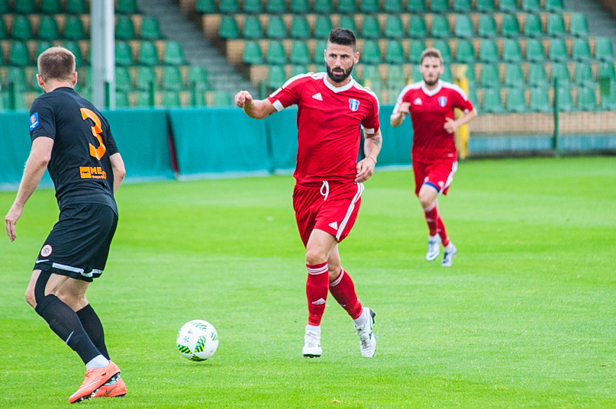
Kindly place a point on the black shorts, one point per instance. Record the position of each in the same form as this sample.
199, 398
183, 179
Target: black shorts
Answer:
78, 244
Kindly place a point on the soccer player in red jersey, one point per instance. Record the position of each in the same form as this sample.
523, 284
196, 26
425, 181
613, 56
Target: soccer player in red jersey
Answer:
327, 195
434, 156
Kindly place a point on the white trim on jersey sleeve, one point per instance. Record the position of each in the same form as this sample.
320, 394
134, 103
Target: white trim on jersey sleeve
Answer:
459, 90
278, 105
406, 89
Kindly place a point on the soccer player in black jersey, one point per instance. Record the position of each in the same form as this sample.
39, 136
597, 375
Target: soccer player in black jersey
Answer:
73, 141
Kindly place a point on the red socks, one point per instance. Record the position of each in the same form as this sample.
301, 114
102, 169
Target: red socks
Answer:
316, 292
435, 223
343, 291
440, 228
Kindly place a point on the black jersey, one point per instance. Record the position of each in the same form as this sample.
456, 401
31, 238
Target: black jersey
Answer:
80, 166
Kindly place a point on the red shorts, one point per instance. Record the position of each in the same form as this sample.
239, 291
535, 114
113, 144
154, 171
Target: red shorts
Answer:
438, 174
331, 207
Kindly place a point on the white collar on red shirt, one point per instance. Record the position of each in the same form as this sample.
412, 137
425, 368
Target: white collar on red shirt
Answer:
433, 92
338, 89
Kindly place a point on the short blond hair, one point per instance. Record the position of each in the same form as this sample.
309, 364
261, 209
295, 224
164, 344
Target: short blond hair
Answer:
56, 63
431, 53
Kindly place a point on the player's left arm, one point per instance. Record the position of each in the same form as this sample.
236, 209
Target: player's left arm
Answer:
40, 155
372, 148
119, 171
451, 125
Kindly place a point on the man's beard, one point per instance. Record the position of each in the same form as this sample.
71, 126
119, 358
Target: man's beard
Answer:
339, 77
432, 83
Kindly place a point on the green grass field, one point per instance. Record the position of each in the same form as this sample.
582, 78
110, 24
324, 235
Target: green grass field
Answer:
525, 318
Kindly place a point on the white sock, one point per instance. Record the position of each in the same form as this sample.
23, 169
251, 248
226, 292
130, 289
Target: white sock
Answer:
362, 319
315, 329
97, 362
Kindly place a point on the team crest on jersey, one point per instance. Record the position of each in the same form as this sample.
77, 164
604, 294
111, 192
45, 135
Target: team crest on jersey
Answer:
442, 101
34, 122
46, 250
353, 104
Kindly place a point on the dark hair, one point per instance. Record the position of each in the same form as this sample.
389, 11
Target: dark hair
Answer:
56, 63
342, 36
431, 53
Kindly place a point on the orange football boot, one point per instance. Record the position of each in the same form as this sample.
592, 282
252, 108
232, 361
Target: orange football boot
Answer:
115, 387
95, 378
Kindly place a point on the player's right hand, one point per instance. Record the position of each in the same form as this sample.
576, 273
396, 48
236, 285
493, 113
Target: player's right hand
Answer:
11, 220
243, 98
405, 108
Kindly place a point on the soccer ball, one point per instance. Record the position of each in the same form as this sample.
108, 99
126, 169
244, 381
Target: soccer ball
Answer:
197, 340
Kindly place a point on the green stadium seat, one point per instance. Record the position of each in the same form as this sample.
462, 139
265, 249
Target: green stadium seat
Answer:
300, 53
586, 99
440, 27
514, 76
439, 6
228, 28
416, 74
50, 7
604, 50
150, 29
145, 77
606, 71
472, 95
298, 70
172, 79
25, 6
198, 76
322, 27
5, 7
443, 47
171, 99
581, 50
583, 75
22, 29
123, 53
392, 6
556, 25
44, 45
124, 29
531, 6
127, 6
76, 6
416, 6
516, 100
276, 53
537, 76
121, 98
394, 27
486, 6
206, 6
300, 27
346, 6
558, 50
276, 76
463, 27
174, 54
487, 26
143, 100
394, 53
465, 52
417, 27
348, 22
122, 79
369, 6
462, 6
447, 76
561, 71
228, 6
148, 55
508, 6
371, 73
510, 26
319, 49
252, 27
512, 52
489, 76
300, 6
19, 54
17, 76
608, 102
48, 29
222, 98
73, 28
492, 102
3, 33
579, 25
470, 74
323, 6
555, 6
532, 26
395, 77
76, 50
488, 51
535, 51
276, 27
540, 100
252, 6
417, 47
276, 6
371, 53
370, 27
565, 101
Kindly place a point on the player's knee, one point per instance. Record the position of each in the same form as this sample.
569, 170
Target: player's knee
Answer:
75, 301
315, 256
334, 272
30, 298
426, 201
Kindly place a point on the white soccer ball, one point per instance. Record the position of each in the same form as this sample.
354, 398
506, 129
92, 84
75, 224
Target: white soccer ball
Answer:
197, 340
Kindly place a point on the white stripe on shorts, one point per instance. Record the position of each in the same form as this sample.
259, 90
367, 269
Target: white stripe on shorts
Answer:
360, 189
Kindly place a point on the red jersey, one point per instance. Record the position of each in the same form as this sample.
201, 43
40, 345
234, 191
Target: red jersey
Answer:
329, 120
429, 110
